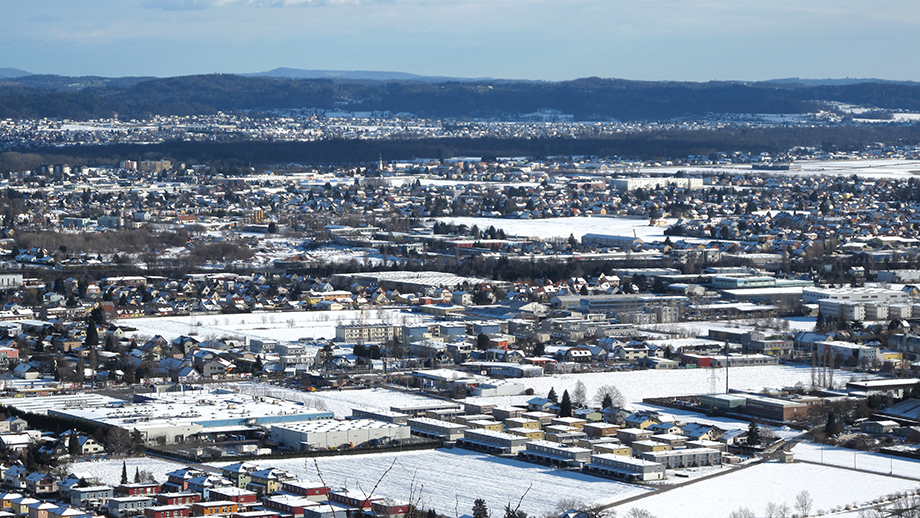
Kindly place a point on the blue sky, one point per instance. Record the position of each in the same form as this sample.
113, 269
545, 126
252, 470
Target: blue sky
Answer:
692, 40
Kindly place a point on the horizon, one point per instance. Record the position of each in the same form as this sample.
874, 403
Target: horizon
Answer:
677, 40
265, 73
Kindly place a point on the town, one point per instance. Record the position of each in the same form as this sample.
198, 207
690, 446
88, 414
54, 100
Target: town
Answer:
641, 325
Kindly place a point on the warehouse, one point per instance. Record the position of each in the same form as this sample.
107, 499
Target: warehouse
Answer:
174, 417
325, 434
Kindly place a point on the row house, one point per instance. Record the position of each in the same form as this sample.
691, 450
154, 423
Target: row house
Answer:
120, 506
167, 511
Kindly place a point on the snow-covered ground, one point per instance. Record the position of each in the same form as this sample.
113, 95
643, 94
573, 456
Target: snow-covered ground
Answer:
450, 480
287, 326
637, 385
109, 470
759, 485
725, 423
874, 462
447, 480
575, 226
874, 168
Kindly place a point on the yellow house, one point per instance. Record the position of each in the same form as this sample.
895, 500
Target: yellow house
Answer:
520, 422
650, 446
534, 434
615, 449
494, 426
6, 500
572, 422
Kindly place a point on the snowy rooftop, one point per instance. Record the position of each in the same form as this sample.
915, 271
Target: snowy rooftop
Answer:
330, 425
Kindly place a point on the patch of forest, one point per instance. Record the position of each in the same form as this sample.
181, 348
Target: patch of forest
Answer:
586, 99
662, 145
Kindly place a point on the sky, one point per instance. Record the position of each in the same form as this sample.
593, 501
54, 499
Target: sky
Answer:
683, 40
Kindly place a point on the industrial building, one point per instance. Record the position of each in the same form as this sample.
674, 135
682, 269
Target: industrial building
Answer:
864, 295
325, 434
174, 417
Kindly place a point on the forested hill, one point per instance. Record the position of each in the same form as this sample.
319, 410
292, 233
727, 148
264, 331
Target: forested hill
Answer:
586, 99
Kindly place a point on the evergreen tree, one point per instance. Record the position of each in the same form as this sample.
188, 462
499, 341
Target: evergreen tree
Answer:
432, 514
607, 401
482, 341
539, 349
81, 370
831, 428
565, 406
137, 475
124, 473
754, 438
552, 395
73, 444
514, 513
479, 509
92, 334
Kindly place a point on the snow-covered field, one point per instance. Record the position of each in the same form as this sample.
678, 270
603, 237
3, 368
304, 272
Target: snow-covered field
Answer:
637, 385
291, 325
109, 470
874, 462
452, 479
759, 485
563, 227
447, 480
875, 168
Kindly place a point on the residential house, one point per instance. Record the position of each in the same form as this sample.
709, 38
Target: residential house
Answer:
39, 483
120, 506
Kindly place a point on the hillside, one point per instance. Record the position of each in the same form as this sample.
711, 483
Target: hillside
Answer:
586, 99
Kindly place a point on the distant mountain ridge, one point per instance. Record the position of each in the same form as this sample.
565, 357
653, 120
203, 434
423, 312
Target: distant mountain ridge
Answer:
587, 99
12, 73
838, 82
373, 75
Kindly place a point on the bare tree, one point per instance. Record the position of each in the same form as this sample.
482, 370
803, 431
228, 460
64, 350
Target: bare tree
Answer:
742, 512
771, 510
580, 506
579, 394
616, 398
803, 503
638, 513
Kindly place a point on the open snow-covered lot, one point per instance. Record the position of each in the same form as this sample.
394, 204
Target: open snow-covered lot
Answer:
564, 227
875, 462
759, 485
447, 480
637, 385
292, 325
109, 470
